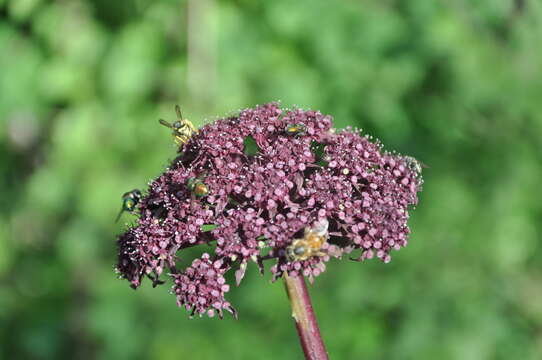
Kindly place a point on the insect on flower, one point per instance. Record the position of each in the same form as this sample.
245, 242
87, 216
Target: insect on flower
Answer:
183, 129
197, 187
129, 202
415, 165
311, 243
296, 130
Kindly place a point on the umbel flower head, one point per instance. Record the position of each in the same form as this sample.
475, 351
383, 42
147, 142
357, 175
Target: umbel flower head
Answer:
267, 185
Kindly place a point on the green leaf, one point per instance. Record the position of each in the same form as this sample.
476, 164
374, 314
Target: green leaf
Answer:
318, 149
232, 201
251, 148
208, 227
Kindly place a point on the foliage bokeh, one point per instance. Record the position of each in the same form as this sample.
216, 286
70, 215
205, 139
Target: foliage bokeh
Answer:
456, 84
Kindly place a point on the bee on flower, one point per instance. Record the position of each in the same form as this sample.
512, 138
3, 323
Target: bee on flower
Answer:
311, 243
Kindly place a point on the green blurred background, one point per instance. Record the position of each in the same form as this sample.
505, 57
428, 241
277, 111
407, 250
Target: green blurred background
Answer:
456, 84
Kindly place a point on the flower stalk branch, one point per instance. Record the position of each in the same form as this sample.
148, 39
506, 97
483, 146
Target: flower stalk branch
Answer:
305, 319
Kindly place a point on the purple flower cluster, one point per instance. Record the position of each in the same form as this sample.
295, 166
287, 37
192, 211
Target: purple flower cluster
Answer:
266, 185
201, 287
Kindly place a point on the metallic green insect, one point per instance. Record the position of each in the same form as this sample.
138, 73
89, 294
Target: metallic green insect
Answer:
197, 187
129, 202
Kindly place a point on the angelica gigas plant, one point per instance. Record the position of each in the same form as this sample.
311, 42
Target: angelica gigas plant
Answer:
268, 185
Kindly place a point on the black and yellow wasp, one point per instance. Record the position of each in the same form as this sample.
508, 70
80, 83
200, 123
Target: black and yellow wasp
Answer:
182, 129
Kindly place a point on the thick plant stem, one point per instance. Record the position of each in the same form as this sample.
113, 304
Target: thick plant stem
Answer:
305, 320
